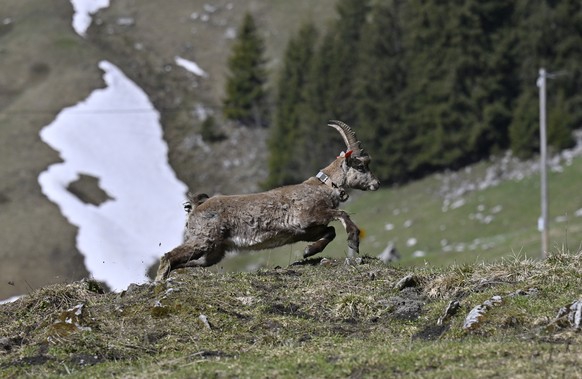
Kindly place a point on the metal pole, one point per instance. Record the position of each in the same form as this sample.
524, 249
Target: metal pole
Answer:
543, 221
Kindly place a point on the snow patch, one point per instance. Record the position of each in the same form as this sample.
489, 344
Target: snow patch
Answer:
411, 242
115, 135
190, 66
230, 33
84, 9
125, 21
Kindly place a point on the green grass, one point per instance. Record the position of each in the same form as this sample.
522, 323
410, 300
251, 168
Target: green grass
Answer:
304, 321
513, 205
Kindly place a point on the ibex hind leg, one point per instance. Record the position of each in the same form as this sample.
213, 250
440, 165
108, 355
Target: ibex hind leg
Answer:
176, 258
323, 238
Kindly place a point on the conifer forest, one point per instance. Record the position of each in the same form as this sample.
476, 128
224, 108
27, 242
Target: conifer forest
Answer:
427, 84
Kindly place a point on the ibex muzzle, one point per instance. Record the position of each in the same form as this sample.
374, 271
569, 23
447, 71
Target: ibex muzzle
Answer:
300, 212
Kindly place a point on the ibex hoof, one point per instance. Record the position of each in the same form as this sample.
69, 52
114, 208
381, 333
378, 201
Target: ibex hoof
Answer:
353, 251
163, 270
353, 261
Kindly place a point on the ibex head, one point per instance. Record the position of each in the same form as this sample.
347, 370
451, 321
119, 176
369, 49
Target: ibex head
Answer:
358, 174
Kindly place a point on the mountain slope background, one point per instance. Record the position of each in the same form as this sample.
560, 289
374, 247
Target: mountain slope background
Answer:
46, 67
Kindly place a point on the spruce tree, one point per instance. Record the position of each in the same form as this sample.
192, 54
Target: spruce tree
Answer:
550, 36
344, 58
461, 85
381, 78
287, 143
568, 52
524, 127
322, 142
438, 111
330, 90
246, 96
496, 88
559, 123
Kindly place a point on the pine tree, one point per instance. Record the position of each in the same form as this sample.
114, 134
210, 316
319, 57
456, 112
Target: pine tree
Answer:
344, 57
568, 53
287, 143
330, 89
496, 88
438, 111
524, 128
209, 132
550, 36
559, 124
322, 143
381, 78
461, 85
246, 97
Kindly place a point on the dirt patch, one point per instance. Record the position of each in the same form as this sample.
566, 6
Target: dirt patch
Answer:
8, 343
33, 360
408, 305
287, 310
88, 190
431, 332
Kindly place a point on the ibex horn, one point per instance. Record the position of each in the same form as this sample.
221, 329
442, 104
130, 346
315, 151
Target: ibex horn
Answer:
348, 135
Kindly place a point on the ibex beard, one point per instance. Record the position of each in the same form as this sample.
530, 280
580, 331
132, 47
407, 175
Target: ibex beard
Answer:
285, 215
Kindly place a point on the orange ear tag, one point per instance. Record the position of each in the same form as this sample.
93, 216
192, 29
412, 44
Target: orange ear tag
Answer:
345, 154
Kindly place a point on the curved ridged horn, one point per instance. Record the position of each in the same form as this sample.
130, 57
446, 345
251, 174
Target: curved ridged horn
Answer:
348, 135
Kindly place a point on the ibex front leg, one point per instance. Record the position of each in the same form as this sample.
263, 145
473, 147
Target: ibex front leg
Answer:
353, 233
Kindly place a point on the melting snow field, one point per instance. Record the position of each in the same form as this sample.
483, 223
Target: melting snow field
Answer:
115, 135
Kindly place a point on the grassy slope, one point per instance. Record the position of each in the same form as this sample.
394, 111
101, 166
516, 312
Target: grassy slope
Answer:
513, 229
45, 67
304, 321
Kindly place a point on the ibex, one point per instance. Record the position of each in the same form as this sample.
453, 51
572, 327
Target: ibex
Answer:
281, 216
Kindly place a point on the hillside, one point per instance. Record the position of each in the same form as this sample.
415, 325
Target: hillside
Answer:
514, 318
46, 67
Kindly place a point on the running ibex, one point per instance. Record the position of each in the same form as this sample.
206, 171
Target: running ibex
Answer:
281, 216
